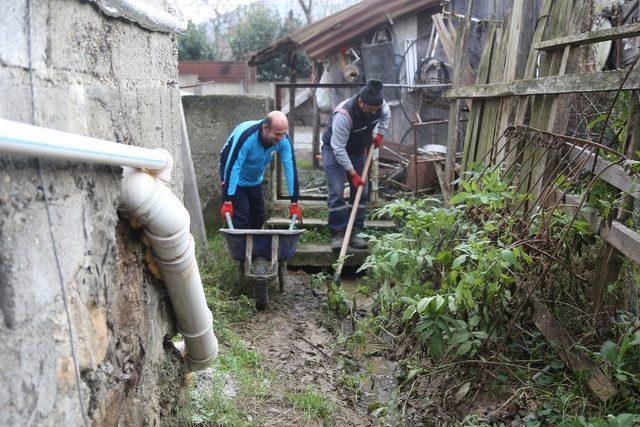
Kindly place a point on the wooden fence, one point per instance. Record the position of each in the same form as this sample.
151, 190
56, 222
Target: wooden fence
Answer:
531, 84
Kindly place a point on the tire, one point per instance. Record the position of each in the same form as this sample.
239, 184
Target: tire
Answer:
261, 293
282, 276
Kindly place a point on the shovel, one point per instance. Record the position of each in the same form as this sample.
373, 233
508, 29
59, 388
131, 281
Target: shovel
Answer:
352, 218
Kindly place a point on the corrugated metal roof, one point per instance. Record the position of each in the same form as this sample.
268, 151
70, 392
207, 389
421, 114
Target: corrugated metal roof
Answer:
217, 71
329, 34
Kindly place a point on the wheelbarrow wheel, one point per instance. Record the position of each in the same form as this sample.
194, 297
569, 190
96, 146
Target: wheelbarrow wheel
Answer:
261, 292
282, 276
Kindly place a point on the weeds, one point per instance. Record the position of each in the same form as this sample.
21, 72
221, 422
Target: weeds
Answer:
238, 385
449, 279
313, 403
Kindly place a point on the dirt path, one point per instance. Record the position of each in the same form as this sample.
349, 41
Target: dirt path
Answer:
294, 343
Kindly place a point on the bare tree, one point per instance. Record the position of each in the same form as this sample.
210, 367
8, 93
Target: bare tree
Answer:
306, 8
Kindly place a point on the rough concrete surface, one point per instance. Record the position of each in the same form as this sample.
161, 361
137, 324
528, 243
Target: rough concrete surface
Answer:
106, 78
210, 120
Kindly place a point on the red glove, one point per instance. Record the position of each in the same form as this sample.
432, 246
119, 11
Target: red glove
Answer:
356, 180
377, 140
295, 209
227, 208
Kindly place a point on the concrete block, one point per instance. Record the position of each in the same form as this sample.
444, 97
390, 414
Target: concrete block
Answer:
210, 120
93, 76
14, 49
131, 52
323, 256
164, 58
15, 102
77, 39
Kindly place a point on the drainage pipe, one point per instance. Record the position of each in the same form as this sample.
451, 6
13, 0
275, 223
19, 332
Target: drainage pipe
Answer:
166, 222
23, 139
145, 197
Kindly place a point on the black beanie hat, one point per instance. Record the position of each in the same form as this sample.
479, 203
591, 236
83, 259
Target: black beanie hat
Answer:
371, 93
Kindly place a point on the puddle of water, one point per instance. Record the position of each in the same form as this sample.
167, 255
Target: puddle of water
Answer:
378, 389
363, 302
381, 373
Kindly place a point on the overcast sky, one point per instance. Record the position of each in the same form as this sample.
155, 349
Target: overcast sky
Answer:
202, 10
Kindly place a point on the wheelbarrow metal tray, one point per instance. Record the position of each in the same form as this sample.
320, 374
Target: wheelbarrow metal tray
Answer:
236, 241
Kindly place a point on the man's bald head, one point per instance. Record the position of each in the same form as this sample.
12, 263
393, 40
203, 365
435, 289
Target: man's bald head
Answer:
274, 127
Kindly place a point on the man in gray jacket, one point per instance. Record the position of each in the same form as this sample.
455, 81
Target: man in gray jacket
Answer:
344, 150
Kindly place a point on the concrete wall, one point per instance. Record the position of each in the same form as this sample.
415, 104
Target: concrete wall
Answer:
65, 65
210, 120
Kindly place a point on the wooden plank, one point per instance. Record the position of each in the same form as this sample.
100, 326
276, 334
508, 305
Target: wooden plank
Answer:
492, 107
603, 81
548, 111
617, 234
575, 359
513, 62
622, 32
530, 69
475, 117
448, 42
323, 256
322, 223
446, 193
545, 115
614, 175
612, 260
462, 41
190, 185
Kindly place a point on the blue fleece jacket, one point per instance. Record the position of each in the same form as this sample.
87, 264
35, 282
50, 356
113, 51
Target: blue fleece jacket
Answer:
243, 160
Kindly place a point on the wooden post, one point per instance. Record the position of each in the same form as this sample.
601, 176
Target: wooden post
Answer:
315, 144
292, 95
454, 107
576, 359
191, 194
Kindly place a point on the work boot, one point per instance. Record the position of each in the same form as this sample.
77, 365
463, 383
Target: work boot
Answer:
336, 240
358, 242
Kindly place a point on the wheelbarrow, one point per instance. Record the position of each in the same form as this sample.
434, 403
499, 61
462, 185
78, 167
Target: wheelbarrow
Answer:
254, 248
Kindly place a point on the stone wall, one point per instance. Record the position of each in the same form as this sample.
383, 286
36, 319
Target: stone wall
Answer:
210, 120
64, 65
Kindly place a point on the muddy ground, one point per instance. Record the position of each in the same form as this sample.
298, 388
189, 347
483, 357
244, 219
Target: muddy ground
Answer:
298, 339
291, 336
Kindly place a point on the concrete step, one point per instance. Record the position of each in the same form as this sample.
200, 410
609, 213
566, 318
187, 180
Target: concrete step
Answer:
322, 223
323, 256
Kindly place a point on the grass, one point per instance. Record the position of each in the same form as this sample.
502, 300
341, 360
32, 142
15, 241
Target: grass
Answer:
312, 403
239, 387
223, 285
315, 236
304, 163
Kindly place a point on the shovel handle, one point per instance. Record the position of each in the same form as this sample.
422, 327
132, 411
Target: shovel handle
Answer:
294, 219
229, 222
352, 218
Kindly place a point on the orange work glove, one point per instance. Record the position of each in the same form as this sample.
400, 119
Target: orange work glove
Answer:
377, 140
227, 208
356, 180
295, 209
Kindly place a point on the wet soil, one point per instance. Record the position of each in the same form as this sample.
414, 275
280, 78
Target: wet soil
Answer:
297, 342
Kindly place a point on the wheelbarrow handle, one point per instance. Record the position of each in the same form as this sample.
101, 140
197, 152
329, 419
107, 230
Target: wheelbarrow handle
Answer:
229, 222
294, 219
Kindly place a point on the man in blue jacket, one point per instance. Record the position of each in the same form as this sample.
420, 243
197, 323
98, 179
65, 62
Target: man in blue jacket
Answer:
243, 160
344, 150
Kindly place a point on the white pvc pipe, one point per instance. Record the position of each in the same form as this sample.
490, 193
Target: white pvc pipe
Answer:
23, 139
166, 224
145, 197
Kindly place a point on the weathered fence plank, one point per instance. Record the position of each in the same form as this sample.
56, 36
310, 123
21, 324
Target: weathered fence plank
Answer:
604, 81
590, 37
